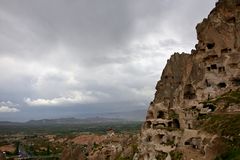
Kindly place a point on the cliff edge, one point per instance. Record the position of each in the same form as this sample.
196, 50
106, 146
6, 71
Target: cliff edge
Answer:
195, 111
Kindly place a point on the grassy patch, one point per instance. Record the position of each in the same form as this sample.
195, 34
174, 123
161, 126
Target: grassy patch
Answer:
232, 97
173, 115
161, 156
176, 155
71, 129
228, 127
232, 154
223, 124
228, 98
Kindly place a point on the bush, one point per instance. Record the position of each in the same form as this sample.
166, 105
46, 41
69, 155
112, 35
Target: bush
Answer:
176, 155
233, 154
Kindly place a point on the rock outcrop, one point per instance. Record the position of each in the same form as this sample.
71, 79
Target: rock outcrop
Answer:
196, 91
101, 147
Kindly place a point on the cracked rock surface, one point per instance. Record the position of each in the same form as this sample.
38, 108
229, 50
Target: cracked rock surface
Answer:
194, 89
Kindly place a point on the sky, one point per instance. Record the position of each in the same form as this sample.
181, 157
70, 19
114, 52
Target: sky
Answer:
67, 58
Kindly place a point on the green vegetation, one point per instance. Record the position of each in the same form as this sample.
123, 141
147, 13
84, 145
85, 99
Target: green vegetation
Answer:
35, 140
70, 129
161, 156
95, 145
223, 125
231, 154
169, 142
228, 126
134, 149
203, 116
36, 146
176, 155
173, 115
124, 158
17, 144
231, 97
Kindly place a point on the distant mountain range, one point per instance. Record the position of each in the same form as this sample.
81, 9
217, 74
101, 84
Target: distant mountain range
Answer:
64, 121
137, 115
74, 120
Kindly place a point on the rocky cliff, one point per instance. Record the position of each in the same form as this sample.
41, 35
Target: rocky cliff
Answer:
194, 114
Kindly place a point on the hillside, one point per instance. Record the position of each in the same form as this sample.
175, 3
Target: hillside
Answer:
195, 111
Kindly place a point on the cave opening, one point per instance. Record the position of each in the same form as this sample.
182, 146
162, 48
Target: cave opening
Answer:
226, 50
148, 124
210, 45
213, 66
207, 83
188, 142
222, 85
237, 2
170, 124
231, 20
160, 114
236, 81
148, 139
176, 123
189, 92
210, 57
221, 69
210, 106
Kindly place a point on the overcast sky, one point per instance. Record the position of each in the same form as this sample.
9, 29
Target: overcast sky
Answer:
63, 58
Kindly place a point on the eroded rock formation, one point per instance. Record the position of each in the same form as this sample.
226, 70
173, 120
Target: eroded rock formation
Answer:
193, 89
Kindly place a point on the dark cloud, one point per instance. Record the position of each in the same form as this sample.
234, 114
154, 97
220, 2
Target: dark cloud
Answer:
80, 54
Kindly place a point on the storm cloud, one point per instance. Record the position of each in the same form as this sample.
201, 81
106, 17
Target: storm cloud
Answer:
61, 57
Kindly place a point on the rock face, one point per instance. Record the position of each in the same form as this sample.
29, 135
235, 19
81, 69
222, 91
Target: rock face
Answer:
194, 88
101, 147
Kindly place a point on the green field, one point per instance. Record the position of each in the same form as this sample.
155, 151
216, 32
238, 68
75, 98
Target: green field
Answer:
65, 129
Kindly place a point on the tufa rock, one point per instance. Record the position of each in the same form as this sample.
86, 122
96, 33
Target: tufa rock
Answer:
194, 87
